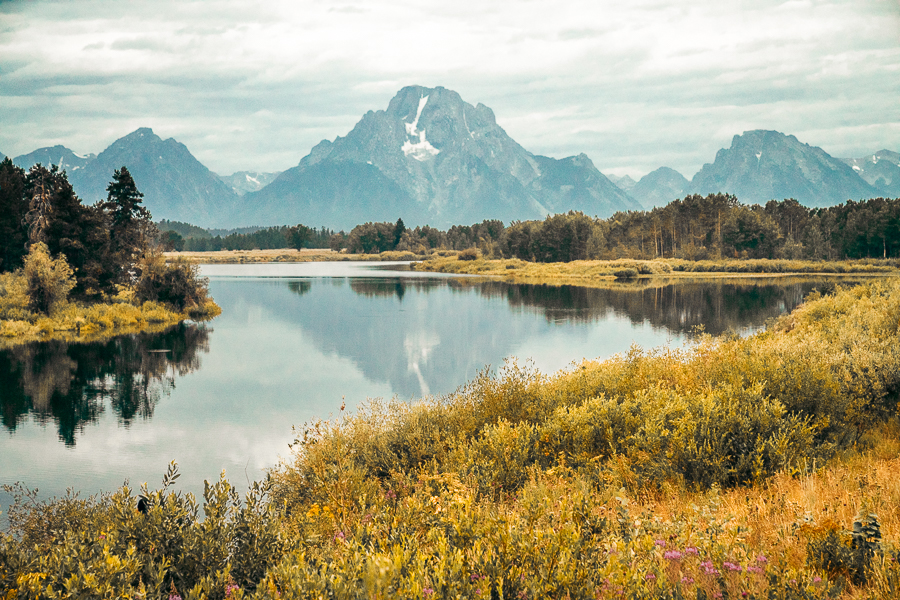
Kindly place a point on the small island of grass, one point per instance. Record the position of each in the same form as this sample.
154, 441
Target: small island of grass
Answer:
81, 273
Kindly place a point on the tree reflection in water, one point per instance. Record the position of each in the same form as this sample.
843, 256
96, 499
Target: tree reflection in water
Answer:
718, 305
69, 384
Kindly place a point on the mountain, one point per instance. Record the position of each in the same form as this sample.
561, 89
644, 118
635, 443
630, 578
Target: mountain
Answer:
430, 158
880, 170
174, 183
624, 183
660, 187
55, 155
248, 181
765, 165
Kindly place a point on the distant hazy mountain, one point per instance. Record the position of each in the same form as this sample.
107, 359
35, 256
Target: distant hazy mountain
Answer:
174, 183
625, 182
880, 170
430, 158
660, 187
765, 165
248, 181
433, 158
56, 155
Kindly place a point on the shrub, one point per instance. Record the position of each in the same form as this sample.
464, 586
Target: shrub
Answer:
178, 284
468, 254
627, 273
48, 281
104, 547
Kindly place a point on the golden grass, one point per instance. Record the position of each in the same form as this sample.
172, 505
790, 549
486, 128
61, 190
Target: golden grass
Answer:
588, 270
77, 322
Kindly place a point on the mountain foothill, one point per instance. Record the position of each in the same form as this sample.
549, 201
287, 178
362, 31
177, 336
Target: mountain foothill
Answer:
432, 158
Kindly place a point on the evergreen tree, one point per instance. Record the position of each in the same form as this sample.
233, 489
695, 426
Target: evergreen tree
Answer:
13, 208
399, 228
130, 224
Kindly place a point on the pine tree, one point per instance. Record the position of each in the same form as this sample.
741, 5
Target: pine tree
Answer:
130, 224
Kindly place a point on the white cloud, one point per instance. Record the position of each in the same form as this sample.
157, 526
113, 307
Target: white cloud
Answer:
634, 85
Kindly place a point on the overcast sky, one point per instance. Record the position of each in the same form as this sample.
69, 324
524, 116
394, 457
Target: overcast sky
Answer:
635, 84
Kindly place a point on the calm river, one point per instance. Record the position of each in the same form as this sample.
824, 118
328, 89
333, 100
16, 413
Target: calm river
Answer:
294, 341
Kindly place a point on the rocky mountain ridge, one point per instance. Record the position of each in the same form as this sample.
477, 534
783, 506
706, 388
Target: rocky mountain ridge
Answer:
432, 158
881, 170
764, 165
55, 155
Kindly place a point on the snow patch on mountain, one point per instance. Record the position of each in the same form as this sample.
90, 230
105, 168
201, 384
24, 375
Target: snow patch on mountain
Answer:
421, 149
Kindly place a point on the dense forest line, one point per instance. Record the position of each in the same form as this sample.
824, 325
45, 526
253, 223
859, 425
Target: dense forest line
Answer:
716, 226
178, 236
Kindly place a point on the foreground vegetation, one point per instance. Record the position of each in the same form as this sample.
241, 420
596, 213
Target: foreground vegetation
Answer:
760, 467
80, 272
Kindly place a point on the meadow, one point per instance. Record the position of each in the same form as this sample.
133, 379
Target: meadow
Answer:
757, 467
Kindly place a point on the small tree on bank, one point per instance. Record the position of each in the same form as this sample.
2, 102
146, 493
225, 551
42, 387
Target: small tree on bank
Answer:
48, 281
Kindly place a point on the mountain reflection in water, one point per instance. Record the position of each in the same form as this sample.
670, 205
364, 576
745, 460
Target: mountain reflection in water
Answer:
70, 384
295, 342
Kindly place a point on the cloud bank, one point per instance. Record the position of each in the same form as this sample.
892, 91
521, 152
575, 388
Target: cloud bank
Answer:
636, 85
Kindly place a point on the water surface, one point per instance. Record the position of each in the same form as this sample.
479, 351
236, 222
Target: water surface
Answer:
295, 341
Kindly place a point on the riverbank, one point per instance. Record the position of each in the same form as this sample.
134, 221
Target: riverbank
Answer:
79, 322
627, 269
449, 261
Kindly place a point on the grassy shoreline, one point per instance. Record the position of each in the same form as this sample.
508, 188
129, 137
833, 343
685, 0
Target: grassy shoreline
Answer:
447, 261
641, 269
81, 323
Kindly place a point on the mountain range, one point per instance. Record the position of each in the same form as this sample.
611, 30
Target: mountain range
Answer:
432, 158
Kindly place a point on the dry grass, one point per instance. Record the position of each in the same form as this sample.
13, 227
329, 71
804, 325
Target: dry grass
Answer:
783, 512
583, 272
